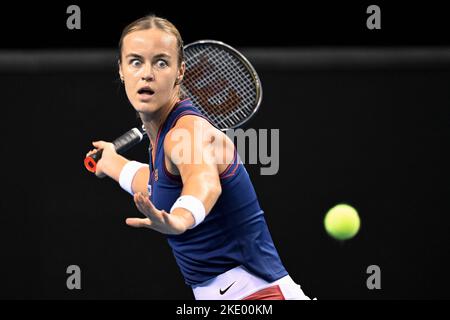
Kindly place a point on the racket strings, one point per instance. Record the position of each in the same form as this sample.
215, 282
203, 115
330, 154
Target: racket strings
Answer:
220, 85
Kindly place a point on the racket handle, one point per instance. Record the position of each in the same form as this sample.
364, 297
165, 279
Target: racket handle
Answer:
91, 162
121, 144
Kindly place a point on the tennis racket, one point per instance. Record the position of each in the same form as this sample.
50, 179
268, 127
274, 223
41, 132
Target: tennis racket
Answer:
220, 82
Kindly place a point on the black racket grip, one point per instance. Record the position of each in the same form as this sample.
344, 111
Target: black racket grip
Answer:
121, 144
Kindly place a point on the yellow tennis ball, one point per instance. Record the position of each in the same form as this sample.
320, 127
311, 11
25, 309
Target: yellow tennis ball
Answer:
342, 222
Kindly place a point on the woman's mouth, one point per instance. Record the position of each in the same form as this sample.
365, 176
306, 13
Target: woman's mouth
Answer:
146, 93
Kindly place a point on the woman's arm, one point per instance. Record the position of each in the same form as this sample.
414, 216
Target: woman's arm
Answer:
111, 164
190, 147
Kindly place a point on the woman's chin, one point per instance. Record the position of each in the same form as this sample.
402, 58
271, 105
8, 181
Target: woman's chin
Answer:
144, 107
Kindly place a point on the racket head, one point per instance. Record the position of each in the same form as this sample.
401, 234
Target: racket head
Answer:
221, 83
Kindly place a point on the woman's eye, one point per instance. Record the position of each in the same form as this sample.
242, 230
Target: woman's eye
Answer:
135, 63
161, 63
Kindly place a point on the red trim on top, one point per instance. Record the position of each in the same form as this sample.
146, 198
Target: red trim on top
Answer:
229, 166
270, 293
189, 112
225, 171
232, 173
156, 147
235, 163
181, 101
176, 178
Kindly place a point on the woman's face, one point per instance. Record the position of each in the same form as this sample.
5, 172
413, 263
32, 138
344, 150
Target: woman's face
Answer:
149, 68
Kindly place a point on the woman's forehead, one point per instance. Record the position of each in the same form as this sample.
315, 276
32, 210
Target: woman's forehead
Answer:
149, 41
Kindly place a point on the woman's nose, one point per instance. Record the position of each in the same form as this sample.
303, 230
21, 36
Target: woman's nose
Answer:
148, 73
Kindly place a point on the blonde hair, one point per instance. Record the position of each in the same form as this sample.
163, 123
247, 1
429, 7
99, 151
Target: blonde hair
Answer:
149, 22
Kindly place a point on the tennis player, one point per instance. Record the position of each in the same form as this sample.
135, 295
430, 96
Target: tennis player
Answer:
208, 208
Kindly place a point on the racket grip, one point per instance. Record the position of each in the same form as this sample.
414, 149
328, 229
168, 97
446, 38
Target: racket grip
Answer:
121, 144
91, 162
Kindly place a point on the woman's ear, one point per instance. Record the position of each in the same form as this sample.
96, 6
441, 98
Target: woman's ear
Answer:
120, 70
181, 71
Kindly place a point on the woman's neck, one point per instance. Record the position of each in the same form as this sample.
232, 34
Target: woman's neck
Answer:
152, 122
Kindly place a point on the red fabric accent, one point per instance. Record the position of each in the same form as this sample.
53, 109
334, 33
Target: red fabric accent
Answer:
176, 178
225, 174
189, 113
270, 293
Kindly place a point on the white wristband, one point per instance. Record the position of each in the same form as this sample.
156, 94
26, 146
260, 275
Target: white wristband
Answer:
192, 204
127, 174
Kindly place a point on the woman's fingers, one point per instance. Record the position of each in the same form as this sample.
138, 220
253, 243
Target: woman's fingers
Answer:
139, 203
91, 152
145, 206
147, 200
138, 222
103, 145
158, 220
98, 144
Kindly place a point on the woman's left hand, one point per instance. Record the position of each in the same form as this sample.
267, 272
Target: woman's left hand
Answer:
158, 220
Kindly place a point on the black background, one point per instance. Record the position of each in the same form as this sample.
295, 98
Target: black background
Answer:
375, 138
282, 23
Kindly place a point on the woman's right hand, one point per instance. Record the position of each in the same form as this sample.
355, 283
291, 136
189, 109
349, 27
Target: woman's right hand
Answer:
108, 155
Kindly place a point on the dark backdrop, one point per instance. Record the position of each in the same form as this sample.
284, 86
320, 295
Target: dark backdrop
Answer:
361, 126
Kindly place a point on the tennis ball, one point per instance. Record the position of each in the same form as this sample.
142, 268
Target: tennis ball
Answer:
342, 222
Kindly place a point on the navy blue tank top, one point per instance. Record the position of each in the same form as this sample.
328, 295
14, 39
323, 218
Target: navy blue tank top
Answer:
233, 233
